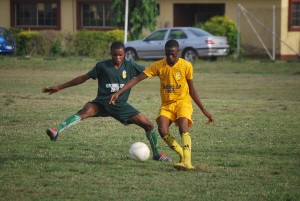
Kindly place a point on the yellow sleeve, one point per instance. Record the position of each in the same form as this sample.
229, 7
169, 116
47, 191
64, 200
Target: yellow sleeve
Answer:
189, 73
152, 71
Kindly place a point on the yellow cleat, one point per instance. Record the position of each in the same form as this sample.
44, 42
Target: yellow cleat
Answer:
184, 166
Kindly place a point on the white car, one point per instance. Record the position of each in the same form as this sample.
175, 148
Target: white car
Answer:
193, 43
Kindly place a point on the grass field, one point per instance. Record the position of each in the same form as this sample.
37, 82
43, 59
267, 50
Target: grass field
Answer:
253, 151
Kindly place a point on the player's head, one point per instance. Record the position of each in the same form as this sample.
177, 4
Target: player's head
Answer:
117, 45
172, 51
117, 52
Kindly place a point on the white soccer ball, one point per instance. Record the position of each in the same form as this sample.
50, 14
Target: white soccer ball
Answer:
139, 151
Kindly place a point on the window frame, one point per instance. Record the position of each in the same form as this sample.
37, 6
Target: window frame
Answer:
290, 16
79, 25
42, 27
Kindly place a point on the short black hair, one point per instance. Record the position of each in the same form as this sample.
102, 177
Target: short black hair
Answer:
171, 43
117, 45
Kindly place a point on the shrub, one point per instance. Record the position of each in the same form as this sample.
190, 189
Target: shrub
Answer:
222, 26
96, 43
115, 35
50, 43
56, 48
53, 43
27, 42
67, 44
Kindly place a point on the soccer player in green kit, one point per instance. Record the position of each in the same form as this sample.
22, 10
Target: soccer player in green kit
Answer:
112, 75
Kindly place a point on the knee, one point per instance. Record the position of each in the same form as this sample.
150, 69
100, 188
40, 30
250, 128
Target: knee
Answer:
87, 111
163, 131
83, 114
149, 126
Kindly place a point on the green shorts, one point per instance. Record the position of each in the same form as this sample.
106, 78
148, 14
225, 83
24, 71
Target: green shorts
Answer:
121, 113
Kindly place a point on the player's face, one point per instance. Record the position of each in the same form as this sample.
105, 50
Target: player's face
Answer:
117, 56
172, 55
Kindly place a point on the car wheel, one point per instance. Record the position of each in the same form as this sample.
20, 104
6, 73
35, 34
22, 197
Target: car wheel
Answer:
130, 54
190, 55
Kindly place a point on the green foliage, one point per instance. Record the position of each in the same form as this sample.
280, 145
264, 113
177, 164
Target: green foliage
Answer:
46, 43
56, 48
96, 43
27, 42
141, 14
115, 35
89, 43
222, 26
55, 43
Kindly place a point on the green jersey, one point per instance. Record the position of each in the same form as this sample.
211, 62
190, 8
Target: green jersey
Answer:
111, 80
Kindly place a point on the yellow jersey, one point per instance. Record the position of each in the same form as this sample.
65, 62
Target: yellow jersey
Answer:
173, 80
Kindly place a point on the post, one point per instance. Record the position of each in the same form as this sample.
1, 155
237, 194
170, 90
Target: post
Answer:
238, 31
274, 33
126, 22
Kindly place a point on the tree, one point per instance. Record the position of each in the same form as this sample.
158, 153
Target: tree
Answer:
141, 14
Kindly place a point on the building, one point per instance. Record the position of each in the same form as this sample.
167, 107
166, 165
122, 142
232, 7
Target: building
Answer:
255, 18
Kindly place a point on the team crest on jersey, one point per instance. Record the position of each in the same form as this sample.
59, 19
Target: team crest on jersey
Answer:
177, 75
124, 74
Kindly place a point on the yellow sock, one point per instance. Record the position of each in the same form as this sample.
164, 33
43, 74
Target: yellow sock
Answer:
172, 143
187, 147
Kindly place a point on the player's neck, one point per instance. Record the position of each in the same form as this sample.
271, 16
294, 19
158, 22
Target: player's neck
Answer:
116, 65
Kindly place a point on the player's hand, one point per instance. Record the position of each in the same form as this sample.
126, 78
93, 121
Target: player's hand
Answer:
209, 116
50, 90
113, 99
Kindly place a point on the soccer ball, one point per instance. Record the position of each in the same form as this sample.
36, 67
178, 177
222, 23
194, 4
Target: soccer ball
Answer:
139, 151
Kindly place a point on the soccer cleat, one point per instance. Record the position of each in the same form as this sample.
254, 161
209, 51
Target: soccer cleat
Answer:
52, 133
162, 157
184, 166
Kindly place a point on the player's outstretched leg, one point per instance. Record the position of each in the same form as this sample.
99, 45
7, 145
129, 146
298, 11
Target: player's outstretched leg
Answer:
70, 121
172, 143
157, 155
187, 147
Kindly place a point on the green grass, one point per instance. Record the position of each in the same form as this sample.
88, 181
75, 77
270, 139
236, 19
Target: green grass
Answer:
253, 150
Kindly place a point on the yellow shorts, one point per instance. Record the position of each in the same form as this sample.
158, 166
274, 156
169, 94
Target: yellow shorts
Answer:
177, 110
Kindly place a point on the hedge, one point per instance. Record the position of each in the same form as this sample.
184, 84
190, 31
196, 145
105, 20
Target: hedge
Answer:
53, 43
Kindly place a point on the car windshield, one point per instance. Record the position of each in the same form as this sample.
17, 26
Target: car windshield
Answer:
6, 35
200, 32
2, 31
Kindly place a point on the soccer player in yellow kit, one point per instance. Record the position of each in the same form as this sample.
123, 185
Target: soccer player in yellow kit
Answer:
177, 92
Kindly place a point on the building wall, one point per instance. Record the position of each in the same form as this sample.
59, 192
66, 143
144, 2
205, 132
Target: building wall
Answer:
292, 38
68, 15
258, 14
5, 13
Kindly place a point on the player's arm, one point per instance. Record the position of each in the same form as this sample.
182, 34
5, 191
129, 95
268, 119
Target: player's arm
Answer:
196, 99
127, 86
76, 81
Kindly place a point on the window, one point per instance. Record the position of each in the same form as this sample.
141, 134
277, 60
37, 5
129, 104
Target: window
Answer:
294, 15
199, 32
39, 14
177, 34
94, 15
158, 35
